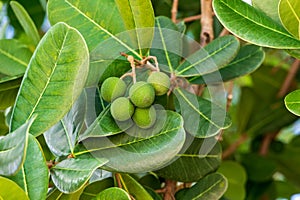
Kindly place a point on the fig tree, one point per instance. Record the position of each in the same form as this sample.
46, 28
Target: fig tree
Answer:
142, 94
144, 117
112, 88
160, 81
121, 109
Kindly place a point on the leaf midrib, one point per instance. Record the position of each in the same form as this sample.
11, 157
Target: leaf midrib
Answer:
103, 29
205, 58
49, 78
262, 25
7, 54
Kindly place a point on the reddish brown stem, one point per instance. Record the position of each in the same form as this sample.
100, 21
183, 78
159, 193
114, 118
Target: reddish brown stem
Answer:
224, 32
170, 190
174, 10
192, 18
289, 79
264, 148
207, 32
232, 148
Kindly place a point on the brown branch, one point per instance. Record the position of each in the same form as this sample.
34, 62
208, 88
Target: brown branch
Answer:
233, 147
207, 32
117, 175
174, 10
170, 190
289, 79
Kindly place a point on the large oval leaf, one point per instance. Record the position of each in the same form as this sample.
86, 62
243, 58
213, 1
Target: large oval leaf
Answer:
62, 137
103, 19
289, 13
203, 156
33, 176
70, 175
13, 149
270, 7
14, 57
292, 102
10, 190
202, 118
252, 25
91, 190
249, 58
212, 186
133, 187
54, 79
167, 44
141, 150
110, 27
215, 55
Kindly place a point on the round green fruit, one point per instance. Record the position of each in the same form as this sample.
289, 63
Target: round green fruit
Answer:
144, 117
160, 81
121, 109
112, 88
142, 94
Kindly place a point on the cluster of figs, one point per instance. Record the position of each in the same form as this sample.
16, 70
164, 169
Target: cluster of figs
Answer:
137, 103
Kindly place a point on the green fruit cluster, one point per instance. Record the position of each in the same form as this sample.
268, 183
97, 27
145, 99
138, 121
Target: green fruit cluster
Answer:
138, 105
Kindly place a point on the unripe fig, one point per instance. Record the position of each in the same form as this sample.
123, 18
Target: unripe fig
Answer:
144, 117
121, 109
142, 94
160, 81
112, 88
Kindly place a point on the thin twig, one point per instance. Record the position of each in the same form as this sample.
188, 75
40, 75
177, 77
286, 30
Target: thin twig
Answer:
228, 104
224, 32
207, 32
289, 79
232, 148
174, 10
118, 180
191, 18
268, 138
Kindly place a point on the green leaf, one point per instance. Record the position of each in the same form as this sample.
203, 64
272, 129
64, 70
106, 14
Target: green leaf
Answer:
249, 58
294, 52
106, 21
10, 190
62, 137
167, 44
14, 57
201, 157
104, 125
212, 186
236, 177
140, 150
113, 193
71, 174
133, 187
91, 190
33, 176
289, 13
215, 55
202, 118
13, 149
269, 7
252, 25
54, 79
292, 102
110, 27
55, 194
26, 22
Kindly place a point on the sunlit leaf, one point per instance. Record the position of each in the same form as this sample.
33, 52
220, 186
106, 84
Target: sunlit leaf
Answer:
13, 149
253, 25
10, 190
33, 176
289, 13
292, 102
54, 79
113, 193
